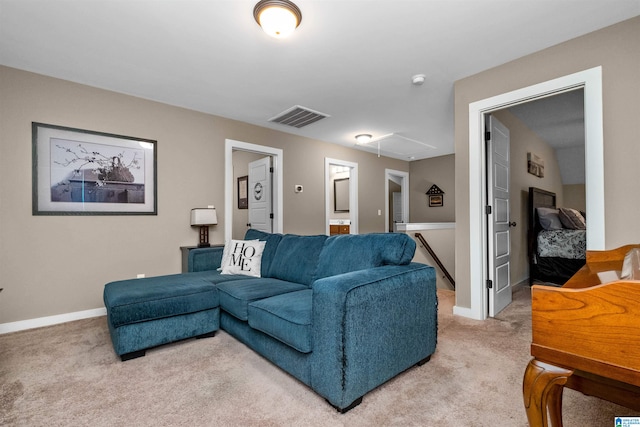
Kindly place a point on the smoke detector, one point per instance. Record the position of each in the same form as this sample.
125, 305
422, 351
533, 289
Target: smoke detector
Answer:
418, 79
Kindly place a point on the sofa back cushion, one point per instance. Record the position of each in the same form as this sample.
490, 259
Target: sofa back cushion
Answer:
296, 258
272, 242
351, 252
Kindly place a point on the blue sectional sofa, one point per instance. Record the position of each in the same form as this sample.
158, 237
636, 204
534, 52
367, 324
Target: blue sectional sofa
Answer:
343, 314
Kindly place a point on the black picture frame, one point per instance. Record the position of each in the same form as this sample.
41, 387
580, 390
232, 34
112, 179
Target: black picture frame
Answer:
84, 172
243, 192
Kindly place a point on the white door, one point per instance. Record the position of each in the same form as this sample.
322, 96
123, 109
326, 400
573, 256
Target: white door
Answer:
260, 212
498, 221
398, 214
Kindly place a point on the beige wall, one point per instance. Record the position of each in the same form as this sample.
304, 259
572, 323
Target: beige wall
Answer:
59, 264
574, 196
423, 174
615, 49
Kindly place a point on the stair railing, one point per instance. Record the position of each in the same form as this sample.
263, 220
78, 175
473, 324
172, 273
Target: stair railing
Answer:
435, 258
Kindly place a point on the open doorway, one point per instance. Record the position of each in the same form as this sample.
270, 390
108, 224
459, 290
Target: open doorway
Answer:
591, 81
341, 196
235, 223
551, 129
396, 198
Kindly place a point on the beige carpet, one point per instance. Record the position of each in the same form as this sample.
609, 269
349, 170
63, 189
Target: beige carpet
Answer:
68, 375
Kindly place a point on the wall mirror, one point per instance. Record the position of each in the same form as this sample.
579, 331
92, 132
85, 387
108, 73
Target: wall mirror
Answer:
341, 195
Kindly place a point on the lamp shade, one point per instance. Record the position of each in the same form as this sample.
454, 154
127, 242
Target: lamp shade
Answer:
203, 216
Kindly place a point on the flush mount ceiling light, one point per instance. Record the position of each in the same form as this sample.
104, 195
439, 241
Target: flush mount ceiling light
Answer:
278, 18
363, 138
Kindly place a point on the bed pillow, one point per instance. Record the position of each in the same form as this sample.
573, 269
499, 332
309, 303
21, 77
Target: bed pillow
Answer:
549, 218
572, 219
244, 257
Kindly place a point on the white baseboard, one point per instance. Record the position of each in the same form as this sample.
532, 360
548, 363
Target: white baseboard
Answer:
39, 322
464, 312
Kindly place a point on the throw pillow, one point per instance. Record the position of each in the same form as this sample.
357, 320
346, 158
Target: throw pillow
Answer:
226, 250
549, 218
243, 257
572, 219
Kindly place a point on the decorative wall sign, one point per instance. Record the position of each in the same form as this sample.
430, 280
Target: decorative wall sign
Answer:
535, 165
243, 192
257, 191
81, 172
436, 196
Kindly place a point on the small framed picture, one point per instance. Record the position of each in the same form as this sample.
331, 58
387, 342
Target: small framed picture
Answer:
82, 172
243, 193
436, 200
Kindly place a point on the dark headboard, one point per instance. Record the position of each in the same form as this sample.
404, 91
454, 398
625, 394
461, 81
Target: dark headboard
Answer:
538, 198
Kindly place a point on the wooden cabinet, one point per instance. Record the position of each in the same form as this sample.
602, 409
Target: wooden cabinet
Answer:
339, 229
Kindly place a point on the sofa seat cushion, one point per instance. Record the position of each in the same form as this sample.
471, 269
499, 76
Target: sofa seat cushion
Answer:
235, 296
286, 317
296, 258
351, 252
139, 300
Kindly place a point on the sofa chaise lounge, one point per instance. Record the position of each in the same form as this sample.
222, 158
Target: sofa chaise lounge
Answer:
343, 314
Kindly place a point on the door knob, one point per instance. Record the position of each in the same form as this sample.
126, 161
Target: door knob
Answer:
512, 224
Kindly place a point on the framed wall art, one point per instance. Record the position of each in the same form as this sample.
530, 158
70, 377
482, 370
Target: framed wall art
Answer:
436, 201
82, 172
535, 165
243, 192
436, 196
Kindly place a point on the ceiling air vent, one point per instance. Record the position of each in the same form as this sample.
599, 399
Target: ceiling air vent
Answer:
298, 117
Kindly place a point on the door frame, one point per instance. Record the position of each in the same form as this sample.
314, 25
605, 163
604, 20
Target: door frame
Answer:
404, 185
591, 81
229, 186
353, 193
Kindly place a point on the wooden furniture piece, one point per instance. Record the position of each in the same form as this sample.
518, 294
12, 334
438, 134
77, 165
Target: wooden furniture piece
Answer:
338, 229
585, 336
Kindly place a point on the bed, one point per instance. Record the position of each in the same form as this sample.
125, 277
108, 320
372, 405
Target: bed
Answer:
556, 239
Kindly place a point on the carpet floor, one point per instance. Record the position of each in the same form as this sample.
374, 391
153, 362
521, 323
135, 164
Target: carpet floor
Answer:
68, 375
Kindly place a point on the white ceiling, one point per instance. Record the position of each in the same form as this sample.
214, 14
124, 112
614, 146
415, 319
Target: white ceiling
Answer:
350, 59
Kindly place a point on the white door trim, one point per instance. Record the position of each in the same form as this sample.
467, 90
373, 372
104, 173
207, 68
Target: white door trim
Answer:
229, 185
388, 173
353, 193
591, 80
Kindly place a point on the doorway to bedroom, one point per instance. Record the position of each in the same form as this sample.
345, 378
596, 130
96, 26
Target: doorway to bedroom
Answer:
551, 131
591, 81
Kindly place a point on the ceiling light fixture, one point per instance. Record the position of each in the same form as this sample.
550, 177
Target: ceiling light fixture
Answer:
278, 18
363, 138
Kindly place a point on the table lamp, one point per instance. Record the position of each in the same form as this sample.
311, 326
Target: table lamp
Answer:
204, 217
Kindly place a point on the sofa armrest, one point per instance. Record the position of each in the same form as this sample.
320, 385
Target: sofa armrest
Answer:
205, 259
370, 325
